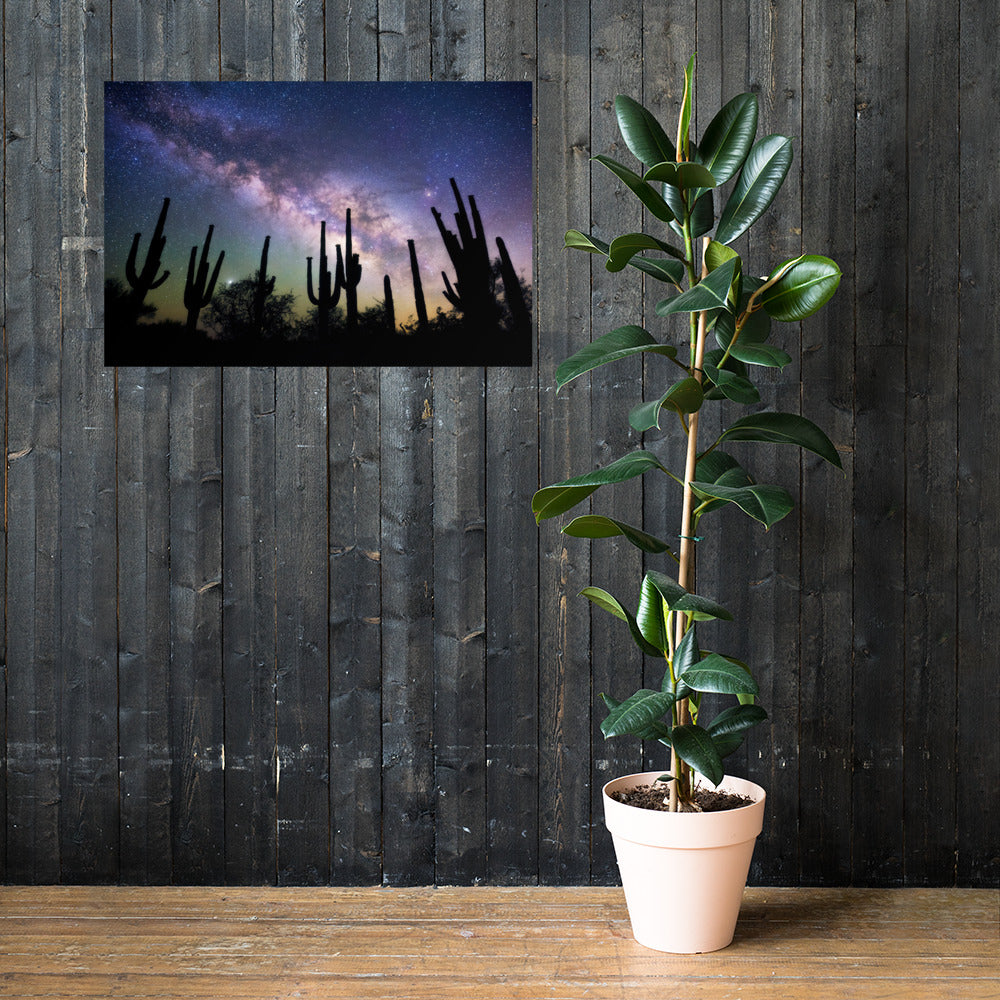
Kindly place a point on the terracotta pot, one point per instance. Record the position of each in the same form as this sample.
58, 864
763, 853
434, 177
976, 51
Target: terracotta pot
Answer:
683, 873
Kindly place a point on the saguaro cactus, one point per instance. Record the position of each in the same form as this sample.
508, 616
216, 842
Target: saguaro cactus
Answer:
144, 281
513, 293
472, 292
329, 295
198, 289
349, 270
418, 289
390, 311
263, 288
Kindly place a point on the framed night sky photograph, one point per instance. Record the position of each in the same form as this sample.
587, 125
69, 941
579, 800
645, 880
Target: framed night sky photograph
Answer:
318, 223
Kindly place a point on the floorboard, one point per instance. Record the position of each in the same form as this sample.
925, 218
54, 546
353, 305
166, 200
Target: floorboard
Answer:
918, 944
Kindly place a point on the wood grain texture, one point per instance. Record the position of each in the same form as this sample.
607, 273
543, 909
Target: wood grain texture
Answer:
792, 943
301, 627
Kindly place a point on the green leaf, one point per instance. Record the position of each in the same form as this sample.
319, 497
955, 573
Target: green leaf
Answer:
646, 194
715, 674
736, 719
783, 428
636, 714
679, 599
695, 746
727, 743
717, 254
681, 175
685, 656
719, 468
560, 497
624, 248
596, 526
767, 504
650, 618
580, 241
702, 215
623, 342
712, 292
728, 138
712, 359
762, 175
684, 396
732, 386
671, 271
605, 601
756, 329
766, 355
802, 290
642, 133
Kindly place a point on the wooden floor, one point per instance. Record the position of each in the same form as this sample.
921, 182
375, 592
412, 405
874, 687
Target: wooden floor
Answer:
486, 943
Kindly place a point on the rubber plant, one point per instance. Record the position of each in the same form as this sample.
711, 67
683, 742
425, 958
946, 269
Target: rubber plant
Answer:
707, 292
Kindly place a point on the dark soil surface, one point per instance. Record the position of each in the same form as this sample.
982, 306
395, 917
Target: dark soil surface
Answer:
657, 797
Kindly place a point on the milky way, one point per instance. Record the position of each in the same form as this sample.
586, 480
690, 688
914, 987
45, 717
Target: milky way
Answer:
258, 159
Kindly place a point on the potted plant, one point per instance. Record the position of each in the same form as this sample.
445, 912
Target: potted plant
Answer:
684, 865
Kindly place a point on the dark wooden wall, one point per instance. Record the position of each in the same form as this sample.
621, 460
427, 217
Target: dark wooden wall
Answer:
298, 626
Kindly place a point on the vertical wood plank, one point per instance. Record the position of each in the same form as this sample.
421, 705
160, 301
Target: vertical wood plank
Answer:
143, 448
512, 541
87, 544
249, 596
880, 439
929, 763
355, 570
978, 707
459, 518
564, 146
195, 538
827, 499
407, 552
302, 785
32, 272
616, 299
773, 558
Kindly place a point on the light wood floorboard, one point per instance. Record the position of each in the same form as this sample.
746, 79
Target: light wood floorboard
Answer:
487, 944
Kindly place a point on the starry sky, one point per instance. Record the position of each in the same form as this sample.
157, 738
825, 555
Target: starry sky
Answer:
258, 159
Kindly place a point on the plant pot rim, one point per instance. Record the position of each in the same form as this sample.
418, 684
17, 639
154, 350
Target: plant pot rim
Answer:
748, 787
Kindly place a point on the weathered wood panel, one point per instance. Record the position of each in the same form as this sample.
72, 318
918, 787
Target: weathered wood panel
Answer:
300, 627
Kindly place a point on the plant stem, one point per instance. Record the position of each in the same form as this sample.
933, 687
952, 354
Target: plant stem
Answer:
686, 560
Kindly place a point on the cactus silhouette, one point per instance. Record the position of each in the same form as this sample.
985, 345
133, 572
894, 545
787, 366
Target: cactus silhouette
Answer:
390, 311
349, 271
264, 287
327, 297
472, 292
418, 289
142, 282
198, 290
513, 293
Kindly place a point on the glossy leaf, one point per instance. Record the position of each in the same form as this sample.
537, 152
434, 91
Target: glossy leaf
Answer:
727, 743
736, 719
637, 713
679, 599
732, 386
783, 428
729, 136
694, 746
684, 119
642, 133
765, 355
671, 271
804, 289
684, 396
654, 731
650, 616
703, 215
681, 175
560, 497
576, 240
646, 194
767, 504
762, 175
756, 329
597, 526
717, 675
712, 292
623, 248
605, 601
718, 467
624, 342
716, 254
713, 358
686, 656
